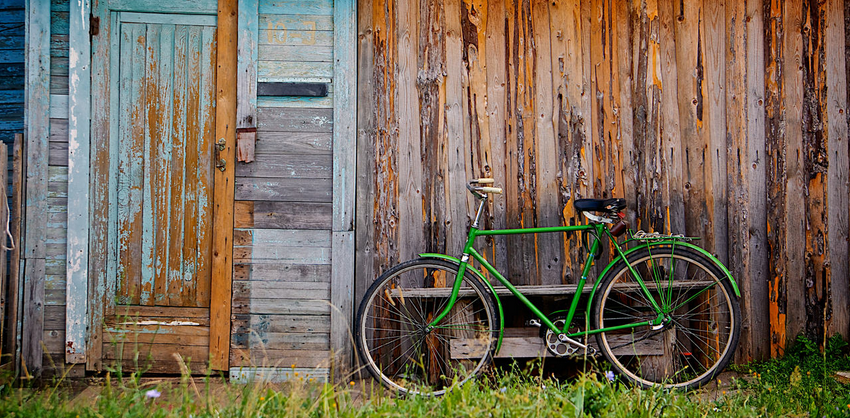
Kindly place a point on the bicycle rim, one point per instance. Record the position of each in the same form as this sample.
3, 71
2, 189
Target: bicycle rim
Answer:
393, 336
700, 331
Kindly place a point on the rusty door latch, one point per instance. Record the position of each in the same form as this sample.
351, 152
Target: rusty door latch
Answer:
221, 164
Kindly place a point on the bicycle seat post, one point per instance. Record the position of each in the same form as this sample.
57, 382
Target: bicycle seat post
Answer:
483, 200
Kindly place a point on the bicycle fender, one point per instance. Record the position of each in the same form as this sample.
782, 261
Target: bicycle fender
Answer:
483, 279
671, 242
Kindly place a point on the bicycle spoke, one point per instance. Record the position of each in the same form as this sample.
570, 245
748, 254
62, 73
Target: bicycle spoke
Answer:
690, 344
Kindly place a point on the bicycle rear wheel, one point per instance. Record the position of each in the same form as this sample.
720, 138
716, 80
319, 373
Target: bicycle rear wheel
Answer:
702, 319
396, 343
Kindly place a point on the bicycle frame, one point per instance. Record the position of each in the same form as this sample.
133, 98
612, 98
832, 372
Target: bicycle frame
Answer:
599, 230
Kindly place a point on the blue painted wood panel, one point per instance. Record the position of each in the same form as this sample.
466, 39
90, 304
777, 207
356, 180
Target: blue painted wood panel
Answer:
11, 69
166, 87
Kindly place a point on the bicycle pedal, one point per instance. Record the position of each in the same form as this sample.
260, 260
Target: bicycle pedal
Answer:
533, 323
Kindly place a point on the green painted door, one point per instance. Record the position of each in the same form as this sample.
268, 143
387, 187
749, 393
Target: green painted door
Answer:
164, 125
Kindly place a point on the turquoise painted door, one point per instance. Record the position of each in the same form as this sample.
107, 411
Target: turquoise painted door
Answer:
163, 126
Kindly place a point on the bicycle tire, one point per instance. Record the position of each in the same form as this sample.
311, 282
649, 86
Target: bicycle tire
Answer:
391, 330
700, 332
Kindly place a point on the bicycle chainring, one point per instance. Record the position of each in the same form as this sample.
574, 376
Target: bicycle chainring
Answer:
555, 345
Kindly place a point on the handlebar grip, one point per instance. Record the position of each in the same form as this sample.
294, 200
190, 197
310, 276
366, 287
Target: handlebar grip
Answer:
494, 190
483, 181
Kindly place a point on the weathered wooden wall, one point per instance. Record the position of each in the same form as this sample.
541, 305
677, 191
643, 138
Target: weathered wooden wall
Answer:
723, 120
283, 213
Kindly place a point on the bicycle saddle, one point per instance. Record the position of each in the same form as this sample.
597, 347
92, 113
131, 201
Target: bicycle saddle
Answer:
600, 205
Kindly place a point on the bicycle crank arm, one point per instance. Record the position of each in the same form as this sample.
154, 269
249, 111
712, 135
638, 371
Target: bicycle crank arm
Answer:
565, 339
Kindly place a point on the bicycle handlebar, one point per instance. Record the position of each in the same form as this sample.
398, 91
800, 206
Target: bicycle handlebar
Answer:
477, 190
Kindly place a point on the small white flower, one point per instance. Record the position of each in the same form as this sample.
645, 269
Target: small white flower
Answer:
503, 390
610, 375
153, 393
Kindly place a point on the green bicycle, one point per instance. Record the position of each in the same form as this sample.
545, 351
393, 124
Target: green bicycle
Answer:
664, 312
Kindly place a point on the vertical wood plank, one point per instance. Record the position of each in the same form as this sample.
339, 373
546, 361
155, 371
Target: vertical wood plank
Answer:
816, 161
205, 175
344, 184
79, 94
755, 291
549, 257
430, 81
131, 172
6, 282
474, 20
225, 127
495, 65
572, 125
737, 164
101, 242
838, 189
457, 207
795, 207
248, 47
521, 151
625, 80
38, 132
715, 123
691, 71
775, 170
670, 149
409, 161
366, 125
13, 292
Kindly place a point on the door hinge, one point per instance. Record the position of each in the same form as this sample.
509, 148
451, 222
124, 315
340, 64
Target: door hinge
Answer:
94, 25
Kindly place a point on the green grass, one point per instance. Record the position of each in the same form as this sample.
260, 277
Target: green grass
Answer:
800, 384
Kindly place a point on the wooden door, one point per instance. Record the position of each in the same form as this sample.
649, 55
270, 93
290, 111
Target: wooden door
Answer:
162, 87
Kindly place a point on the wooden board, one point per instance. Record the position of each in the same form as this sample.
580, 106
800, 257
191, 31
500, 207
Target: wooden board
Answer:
79, 116
37, 76
223, 256
533, 347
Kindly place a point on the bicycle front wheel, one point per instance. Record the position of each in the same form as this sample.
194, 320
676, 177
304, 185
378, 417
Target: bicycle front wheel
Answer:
399, 346
701, 318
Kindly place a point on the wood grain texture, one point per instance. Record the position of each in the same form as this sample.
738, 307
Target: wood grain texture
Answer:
37, 103
79, 112
344, 185
11, 325
837, 312
795, 221
225, 127
248, 56
710, 117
